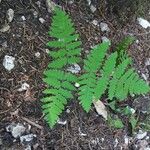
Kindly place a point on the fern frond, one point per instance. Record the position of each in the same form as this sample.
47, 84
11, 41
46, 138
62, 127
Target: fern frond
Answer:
66, 51
88, 81
118, 79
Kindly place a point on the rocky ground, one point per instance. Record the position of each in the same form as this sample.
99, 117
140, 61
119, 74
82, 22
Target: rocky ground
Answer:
24, 56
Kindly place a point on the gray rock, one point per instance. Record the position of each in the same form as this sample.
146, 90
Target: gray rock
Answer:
141, 135
5, 28
104, 27
74, 68
8, 62
95, 22
16, 129
89, 2
42, 20
27, 139
10, 14
50, 6
93, 8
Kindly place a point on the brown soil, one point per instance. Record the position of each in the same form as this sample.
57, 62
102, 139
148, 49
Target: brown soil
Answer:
24, 39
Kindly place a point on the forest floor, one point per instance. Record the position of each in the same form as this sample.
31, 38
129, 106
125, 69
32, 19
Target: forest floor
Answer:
25, 39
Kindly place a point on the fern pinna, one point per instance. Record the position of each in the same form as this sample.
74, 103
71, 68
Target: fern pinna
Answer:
101, 75
66, 51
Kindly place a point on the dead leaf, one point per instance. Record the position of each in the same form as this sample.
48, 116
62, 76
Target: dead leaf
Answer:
100, 108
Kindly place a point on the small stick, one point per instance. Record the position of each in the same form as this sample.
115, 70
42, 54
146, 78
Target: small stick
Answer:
32, 123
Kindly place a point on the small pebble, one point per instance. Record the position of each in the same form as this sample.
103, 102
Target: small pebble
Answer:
10, 14
50, 6
93, 8
141, 135
27, 139
104, 27
8, 62
42, 20
5, 28
37, 54
16, 129
35, 13
68, 111
23, 18
144, 23
77, 85
47, 51
89, 2
74, 68
24, 87
95, 22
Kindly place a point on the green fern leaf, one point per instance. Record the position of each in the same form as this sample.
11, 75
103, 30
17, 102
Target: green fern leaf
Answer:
88, 80
66, 52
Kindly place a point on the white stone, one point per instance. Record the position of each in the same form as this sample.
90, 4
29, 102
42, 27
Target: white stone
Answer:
102, 139
93, 8
8, 62
68, 111
74, 68
50, 6
23, 18
71, 2
16, 129
24, 87
5, 28
144, 77
62, 122
89, 2
27, 138
37, 54
42, 20
144, 23
141, 135
132, 110
77, 85
104, 27
10, 14
105, 39
47, 51
137, 41
95, 22
35, 13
